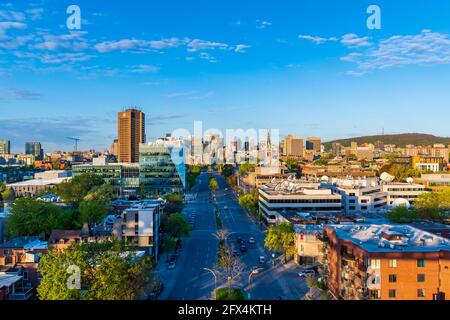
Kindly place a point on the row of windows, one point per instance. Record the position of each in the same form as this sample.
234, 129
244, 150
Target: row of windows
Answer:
376, 263
393, 278
420, 293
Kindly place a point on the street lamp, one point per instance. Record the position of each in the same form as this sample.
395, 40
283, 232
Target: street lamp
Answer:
273, 259
215, 278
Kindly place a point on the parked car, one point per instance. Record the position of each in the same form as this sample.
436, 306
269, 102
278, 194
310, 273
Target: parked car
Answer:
306, 273
251, 240
171, 266
235, 253
262, 259
243, 249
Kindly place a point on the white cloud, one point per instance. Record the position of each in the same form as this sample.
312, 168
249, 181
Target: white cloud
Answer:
73, 41
35, 13
425, 48
352, 40
4, 26
12, 15
241, 48
197, 45
144, 68
316, 39
263, 24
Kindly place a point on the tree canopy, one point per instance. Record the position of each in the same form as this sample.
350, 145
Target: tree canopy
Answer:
74, 191
30, 217
213, 185
280, 238
249, 201
108, 271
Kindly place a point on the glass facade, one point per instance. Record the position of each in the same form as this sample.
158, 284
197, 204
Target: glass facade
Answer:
162, 168
122, 177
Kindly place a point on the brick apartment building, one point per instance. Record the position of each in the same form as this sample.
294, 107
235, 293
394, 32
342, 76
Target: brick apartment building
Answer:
385, 262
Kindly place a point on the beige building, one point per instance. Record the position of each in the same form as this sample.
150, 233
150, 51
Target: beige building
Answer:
309, 246
293, 146
131, 129
314, 144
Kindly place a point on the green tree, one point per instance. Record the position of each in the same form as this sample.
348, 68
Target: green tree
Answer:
213, 185
433, 205
31, 217
74, 191
7, 194
109, 271
250, 202
68, 220
280, 238
245, 168
92, 212
174, 203
177, 226
103, 193
402, 214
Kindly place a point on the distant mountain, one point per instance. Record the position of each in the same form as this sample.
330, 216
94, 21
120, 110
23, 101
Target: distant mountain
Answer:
400, 140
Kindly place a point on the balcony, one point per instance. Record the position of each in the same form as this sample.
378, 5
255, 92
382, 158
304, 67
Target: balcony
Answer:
24, 293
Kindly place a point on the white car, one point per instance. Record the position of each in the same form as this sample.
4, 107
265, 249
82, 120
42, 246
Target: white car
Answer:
251, 240
306, 273
262, 259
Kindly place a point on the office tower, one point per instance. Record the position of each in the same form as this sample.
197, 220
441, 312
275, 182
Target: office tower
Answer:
5, 147
131, 125
35, 149
336, 149
293, 146
114, 148
314, 144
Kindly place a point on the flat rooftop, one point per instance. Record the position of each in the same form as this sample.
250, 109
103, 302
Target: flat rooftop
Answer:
391, 238
292, 188
38, 182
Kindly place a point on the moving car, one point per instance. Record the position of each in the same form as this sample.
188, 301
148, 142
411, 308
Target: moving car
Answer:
306, 273
262, 259
171, 266
243, 249
251, 240
235, 253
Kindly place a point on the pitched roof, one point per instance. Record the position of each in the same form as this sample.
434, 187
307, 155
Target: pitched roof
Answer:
58, 235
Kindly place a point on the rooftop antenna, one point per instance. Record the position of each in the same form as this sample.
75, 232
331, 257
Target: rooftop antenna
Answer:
76, 142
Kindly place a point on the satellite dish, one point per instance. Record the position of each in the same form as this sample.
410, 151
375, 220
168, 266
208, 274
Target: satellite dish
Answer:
386, 177
410, 180
401, 203
324, 179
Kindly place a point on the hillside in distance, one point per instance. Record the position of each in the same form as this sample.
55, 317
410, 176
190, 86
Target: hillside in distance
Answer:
401, 140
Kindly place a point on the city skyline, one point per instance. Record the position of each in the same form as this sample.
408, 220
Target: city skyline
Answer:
310, 69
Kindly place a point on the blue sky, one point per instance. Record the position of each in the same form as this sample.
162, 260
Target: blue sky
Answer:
310, 68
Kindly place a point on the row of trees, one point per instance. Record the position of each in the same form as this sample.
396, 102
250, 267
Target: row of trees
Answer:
249, 201
95, 271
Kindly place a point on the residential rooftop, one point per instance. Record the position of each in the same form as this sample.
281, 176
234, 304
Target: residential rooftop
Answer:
391, 238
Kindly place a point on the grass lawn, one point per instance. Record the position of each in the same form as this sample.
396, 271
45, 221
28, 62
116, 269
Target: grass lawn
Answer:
225, 294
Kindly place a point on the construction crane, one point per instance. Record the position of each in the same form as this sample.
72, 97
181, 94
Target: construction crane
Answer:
76, 142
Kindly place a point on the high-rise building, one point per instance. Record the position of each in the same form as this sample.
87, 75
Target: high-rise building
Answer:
5, 147
131, 126
35, 149
314, 144
293, 146
114, 148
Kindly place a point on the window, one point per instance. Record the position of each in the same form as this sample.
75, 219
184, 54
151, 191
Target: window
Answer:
420, 293
392, 293
374, 294
420, 278
375, 263
421, 263
392, 263
392, 278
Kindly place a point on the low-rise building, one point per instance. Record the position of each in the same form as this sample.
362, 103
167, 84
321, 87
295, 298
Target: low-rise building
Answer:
308, 244
278, 199
364, 195
387, 262
429, 163
43, 181
434, 182
139, 225
402, 191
